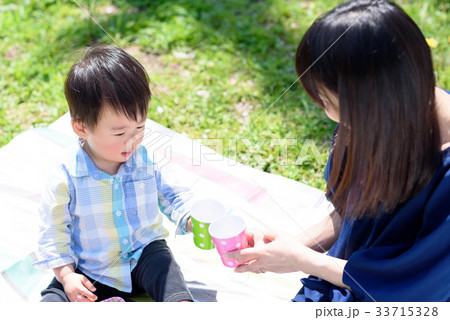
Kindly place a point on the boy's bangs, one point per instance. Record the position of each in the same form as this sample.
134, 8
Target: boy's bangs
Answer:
122, 100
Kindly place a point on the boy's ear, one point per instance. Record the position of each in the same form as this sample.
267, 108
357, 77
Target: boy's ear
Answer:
79, 128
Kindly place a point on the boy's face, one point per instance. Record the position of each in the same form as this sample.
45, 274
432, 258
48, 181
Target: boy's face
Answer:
114, 139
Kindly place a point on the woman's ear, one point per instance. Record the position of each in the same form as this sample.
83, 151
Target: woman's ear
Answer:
79, 128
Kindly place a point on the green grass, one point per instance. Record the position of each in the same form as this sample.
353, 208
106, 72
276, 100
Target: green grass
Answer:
221, 64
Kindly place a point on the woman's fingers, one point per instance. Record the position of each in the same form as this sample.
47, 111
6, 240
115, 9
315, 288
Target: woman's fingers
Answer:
253, 266
269, 236
251, 234
239, 254
244, 268
242, 256
258, 244
256, 237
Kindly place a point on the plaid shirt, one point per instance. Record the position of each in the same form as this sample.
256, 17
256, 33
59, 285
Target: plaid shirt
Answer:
102, 223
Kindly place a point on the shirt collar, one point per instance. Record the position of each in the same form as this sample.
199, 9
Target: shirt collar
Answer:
81, 164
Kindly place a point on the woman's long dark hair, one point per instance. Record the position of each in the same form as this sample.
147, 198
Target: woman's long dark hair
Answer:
374, 58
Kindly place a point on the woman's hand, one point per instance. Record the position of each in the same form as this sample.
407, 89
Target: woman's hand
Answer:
274, 252
269, 251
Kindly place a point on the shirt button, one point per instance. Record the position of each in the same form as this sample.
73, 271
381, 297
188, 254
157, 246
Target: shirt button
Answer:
125, 241
116, 186
118, 213
141, 185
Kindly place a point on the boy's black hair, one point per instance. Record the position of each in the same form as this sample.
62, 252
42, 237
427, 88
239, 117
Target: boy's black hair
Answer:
106, 76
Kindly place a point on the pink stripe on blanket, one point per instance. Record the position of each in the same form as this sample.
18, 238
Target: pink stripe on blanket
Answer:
239, 186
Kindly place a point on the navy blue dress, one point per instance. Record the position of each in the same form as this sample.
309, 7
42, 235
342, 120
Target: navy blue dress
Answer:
399, 256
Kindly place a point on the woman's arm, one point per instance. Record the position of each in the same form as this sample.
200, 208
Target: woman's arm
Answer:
279, 253
322, 266
322, 235
286, 254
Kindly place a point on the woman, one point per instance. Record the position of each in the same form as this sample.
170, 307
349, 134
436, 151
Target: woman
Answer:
367, 64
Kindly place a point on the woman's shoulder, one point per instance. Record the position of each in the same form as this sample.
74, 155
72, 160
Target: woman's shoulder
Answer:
435, 197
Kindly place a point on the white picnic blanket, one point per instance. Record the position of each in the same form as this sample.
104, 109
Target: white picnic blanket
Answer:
263, 200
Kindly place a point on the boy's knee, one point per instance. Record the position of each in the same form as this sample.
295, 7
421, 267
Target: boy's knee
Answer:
53, 295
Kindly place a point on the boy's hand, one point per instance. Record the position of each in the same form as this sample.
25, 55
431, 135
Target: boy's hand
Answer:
188, 225
78, 288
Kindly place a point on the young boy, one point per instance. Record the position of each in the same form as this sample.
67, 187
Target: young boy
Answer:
101, 231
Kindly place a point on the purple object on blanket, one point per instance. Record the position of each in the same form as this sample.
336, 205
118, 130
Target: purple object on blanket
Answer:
113, 299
